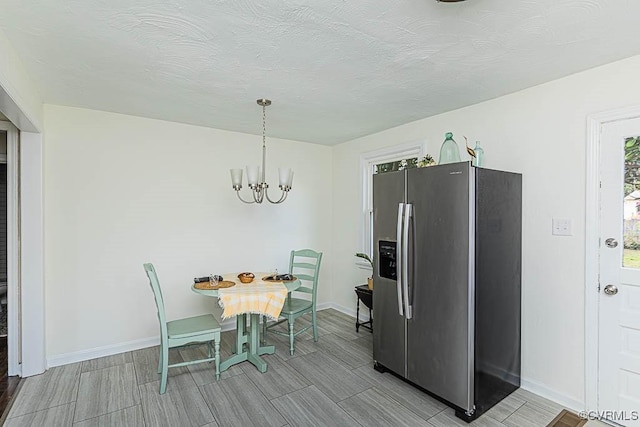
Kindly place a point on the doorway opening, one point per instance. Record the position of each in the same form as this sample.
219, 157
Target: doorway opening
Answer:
8, 384
3, 240
3, 235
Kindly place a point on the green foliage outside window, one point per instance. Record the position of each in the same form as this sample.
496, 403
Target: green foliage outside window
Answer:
631, 165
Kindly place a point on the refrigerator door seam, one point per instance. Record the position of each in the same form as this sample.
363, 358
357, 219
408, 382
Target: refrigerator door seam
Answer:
472, 293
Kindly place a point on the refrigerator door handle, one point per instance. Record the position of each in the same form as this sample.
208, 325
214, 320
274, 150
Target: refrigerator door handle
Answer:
399, 258
405, 259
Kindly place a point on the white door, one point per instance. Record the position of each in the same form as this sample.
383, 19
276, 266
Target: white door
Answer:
619, 296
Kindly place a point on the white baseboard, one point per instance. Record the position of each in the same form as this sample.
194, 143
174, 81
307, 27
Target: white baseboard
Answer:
364, 313
109, 350
323, 306
553, 395
340, 308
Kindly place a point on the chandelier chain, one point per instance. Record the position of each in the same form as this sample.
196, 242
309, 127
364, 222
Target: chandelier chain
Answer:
264, 125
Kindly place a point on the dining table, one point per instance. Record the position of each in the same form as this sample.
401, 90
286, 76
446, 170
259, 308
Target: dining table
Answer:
248, 347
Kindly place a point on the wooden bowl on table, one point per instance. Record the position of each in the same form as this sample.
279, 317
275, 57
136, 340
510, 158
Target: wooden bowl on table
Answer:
246, 277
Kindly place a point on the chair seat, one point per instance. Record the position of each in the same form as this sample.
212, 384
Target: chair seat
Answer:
295, 305
192, 326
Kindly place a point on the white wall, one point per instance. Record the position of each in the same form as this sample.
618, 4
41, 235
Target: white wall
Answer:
19, 99
539, 132
123, 190
32, 295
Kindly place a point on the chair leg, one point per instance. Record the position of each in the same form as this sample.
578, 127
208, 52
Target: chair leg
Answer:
291, 336
314, 321
160, 361
217, 356
164, 356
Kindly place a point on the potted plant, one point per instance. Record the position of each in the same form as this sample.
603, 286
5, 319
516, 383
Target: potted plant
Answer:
366, 257
427, 160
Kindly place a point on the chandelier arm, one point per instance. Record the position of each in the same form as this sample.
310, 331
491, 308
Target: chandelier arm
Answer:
282, 197
269, 198
241, 199
258, 195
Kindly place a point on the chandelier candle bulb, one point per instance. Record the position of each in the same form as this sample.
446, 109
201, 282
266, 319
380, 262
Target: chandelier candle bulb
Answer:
253, 173
236, 178
284, 173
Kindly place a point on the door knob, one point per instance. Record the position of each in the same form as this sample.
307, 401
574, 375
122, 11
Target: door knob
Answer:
610, 289
611, 242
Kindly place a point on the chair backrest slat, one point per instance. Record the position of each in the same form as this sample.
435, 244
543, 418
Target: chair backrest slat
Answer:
308, 265
157, 293
307, 277
308, 261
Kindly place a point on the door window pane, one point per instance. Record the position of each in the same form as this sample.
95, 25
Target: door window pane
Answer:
631, 256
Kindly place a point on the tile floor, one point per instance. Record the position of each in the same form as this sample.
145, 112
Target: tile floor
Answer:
328, 383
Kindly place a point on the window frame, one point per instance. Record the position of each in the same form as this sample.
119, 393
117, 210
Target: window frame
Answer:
367, 161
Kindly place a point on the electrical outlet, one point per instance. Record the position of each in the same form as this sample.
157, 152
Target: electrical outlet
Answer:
561, 227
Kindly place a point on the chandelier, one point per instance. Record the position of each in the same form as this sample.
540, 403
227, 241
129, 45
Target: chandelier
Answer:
255, 174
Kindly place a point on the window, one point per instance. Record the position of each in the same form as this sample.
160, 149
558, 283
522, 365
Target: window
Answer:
631, 203
383, 160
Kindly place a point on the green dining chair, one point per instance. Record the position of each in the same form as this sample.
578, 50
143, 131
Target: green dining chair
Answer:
305, 265
196, 330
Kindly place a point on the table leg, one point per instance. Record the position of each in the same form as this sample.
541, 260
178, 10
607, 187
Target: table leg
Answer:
241, 339
241, 333
249, 343
255, 350
255, 327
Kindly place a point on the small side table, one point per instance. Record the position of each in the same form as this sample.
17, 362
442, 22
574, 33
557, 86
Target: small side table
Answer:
366, 296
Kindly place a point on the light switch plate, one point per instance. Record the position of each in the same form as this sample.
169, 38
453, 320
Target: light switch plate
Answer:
561, 227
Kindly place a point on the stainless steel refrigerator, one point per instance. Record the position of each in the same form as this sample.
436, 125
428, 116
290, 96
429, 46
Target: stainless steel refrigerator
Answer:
447, 248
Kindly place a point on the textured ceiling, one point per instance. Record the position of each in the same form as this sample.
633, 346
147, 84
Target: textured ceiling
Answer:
335, 70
